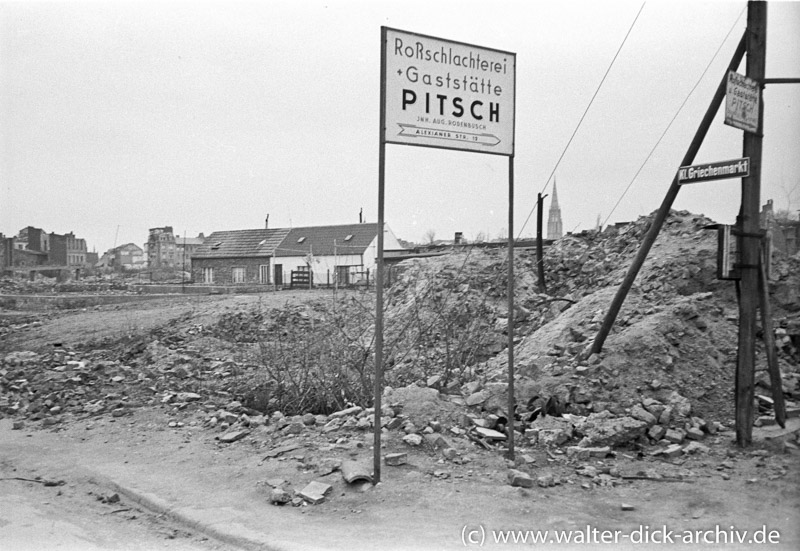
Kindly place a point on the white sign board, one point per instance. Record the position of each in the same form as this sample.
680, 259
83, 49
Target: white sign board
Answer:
735, 168
742, 102
439, 93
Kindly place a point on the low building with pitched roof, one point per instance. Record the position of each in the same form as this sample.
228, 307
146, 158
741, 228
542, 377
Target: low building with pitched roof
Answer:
318, 255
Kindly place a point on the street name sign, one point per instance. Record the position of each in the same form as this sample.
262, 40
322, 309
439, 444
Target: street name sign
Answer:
735, 168
742, 100
445, 94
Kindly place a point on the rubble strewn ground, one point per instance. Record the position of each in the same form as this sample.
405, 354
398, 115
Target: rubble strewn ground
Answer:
290, 376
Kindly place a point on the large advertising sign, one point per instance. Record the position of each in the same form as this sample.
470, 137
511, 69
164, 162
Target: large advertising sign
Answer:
439, 93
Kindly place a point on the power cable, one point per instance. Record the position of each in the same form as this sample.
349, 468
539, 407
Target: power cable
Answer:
678, 112
583, 116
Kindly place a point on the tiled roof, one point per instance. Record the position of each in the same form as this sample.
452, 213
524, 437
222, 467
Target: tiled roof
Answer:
241, 243
319, 240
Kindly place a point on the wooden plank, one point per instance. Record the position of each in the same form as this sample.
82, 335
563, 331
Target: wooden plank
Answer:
778, 404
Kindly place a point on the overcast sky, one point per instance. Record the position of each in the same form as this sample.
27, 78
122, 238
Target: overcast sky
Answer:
119, 117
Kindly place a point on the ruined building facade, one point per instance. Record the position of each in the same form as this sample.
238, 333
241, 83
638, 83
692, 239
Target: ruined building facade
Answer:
162, 251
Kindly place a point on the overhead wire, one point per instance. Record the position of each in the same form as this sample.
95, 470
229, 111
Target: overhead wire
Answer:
591, 101
678, 112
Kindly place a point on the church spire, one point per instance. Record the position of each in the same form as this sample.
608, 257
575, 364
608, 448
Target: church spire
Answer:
554, 201
554, 226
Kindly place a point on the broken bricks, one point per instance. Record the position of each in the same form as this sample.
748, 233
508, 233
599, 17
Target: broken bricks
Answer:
520, 479
315, 492
279, 496
396, 459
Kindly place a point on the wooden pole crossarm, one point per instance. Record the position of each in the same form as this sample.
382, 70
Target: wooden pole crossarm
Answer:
781, 81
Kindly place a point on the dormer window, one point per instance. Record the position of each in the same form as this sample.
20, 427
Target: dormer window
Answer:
349, 237
216, 245
301, 239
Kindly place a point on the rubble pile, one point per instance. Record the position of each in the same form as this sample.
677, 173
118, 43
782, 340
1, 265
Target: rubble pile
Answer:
51, 286
662, 386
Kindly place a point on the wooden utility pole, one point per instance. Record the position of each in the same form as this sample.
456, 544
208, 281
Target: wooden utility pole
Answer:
751, 234
539, 252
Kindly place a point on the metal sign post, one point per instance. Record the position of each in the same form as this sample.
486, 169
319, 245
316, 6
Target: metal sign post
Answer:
448, 95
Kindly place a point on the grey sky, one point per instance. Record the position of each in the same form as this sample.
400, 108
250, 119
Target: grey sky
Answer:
117, 117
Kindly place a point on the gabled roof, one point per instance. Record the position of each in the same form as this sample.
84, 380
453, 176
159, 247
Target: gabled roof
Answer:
352, 239
241, 243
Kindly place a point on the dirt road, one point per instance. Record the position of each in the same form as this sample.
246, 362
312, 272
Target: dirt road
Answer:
178, 483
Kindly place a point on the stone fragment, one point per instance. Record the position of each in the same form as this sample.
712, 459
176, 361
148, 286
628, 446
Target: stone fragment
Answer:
589, 471
315, 492
602, 429
576, 452
413, 439
695, 433
226, 416
279, 451
365, 423
294, 427
675, 436
394, 423
477, 398
672, 451
309, 419
396, 459
656, 432
681, 405
666, 416
700, 423
187, 397
696, 447
552, 437
490, 434
638, 412
519, 479
233, 436
546, 481
279, 496
436, 440
346, 412
449, 453
627, 507
17, 425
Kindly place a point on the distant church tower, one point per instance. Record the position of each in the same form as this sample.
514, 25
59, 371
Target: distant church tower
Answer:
554, 229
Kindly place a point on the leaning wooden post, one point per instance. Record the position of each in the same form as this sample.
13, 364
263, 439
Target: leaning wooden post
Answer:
663, 211
778, 404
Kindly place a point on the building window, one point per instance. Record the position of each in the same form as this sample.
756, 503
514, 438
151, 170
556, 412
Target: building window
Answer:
263, 273
208, 275
237, 275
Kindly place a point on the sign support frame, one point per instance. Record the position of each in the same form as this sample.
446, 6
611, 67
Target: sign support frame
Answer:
379, 278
